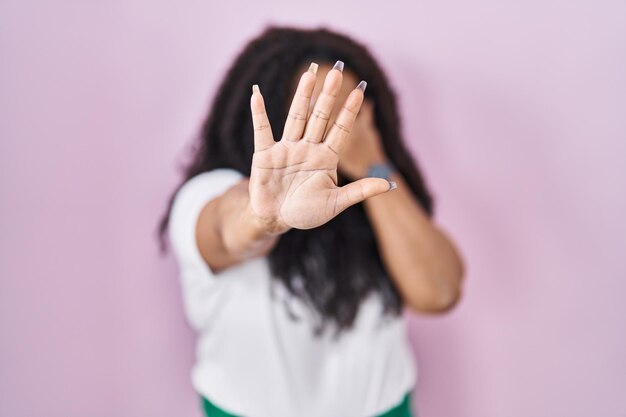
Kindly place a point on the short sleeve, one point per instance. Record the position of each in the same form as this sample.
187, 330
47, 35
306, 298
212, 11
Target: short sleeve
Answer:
187, 205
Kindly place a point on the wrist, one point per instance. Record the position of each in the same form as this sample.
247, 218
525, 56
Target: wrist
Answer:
262, 228
356, 171
381, 169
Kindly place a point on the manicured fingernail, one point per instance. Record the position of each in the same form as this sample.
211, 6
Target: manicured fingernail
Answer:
255, 89
338, 66
313, 67
362, 86
392, 185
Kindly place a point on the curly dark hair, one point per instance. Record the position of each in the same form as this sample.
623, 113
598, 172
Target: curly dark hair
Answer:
339, 261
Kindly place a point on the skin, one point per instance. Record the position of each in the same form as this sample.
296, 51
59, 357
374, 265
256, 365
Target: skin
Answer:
293, 185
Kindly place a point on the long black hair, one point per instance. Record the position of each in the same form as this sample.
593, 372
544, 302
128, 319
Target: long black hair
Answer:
339, 261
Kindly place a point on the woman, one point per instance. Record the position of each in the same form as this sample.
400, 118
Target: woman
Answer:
298, 252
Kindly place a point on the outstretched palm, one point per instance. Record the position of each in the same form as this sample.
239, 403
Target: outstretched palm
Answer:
293, 182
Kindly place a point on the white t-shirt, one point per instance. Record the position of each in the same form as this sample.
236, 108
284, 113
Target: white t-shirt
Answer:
253, 360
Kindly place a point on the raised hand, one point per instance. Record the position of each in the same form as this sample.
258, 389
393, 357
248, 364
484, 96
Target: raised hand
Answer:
293, 181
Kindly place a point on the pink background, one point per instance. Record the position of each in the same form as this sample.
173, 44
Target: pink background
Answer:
516, 111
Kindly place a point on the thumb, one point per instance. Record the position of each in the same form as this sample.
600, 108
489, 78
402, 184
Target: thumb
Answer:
357, 191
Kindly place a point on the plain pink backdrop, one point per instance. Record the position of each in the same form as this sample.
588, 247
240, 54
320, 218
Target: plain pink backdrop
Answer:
515, 110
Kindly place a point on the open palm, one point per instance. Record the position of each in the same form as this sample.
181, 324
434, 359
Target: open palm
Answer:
293, 182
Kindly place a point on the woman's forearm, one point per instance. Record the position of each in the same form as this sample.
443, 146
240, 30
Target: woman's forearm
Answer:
420, 258
228, 233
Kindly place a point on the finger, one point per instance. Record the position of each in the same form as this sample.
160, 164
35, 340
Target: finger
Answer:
263, 137
296, 118
342, 126
316, 125
357, 191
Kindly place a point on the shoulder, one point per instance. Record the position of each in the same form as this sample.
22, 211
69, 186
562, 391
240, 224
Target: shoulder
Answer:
210, 183
204, 187
188, 202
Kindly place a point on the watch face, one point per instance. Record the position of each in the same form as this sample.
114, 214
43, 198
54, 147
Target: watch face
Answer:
380, 171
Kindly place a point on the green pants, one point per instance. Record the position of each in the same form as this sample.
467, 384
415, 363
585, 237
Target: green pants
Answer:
401, 410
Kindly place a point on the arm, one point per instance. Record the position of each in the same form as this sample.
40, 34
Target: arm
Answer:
422, 261
228, 233
420, 258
